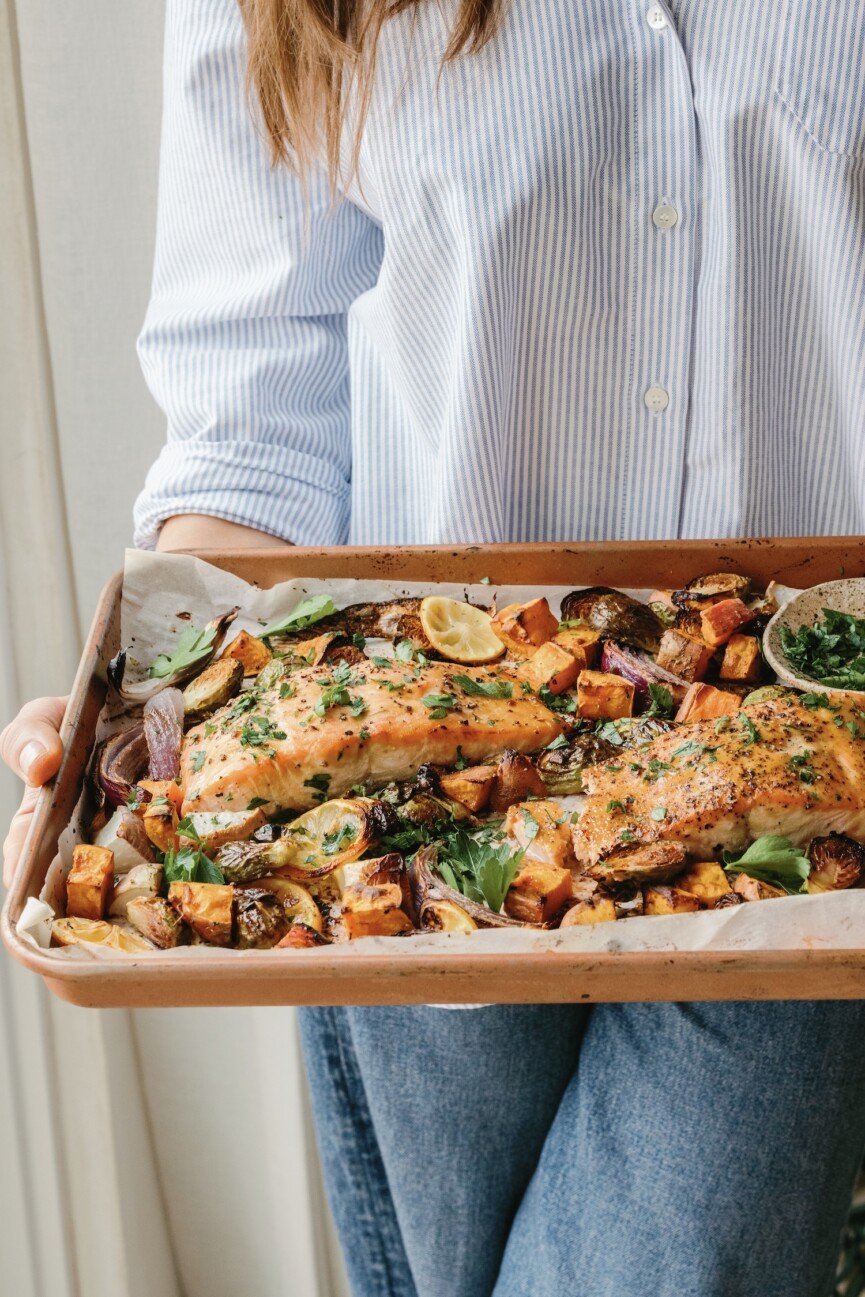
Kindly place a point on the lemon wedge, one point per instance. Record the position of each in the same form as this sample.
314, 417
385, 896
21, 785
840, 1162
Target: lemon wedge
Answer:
96, 932
324, 838
460, 632
445, 916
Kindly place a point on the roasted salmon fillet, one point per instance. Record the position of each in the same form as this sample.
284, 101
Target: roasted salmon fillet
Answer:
784, 766
325, 729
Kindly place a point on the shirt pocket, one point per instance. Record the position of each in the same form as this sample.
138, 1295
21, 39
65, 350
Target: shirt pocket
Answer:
821, 72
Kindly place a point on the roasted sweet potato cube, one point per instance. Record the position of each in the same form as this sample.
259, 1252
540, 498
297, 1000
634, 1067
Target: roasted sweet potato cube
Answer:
704, 702
603, 696
472, 787
706, 880
669, 900
523, 627
741, 659
542, 829
158, 789
594, 909
754, 889
250, 651
374, 911
721, 620
684, 654
551, 666
538, 892
89, 882
160, 823
516, 780
208, 908
581, 642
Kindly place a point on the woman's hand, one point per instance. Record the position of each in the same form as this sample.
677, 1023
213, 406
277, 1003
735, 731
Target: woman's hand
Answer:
31, 745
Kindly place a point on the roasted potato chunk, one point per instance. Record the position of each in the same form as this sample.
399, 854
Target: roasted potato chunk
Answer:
706, 880
516, 780
251, 652
159, 789
208, 908
704, 702
472, 787
753, 889
550, 667
741, 659
538, 892
684, 655
582, 643
669, 900
601, 696
523, 627
374, 911
89, 882
594, 909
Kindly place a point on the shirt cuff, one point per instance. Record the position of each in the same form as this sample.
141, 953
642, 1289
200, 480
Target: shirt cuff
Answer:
294, 496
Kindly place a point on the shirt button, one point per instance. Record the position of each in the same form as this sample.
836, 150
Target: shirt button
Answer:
665, 215
656, 399
656, 18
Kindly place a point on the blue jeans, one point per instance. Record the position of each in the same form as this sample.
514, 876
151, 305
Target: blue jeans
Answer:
688, 1150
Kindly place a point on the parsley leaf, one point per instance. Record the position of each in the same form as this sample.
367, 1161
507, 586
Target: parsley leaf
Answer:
772, 859
661, 701
481, 866
192, 645
188, 863
306, 613
484, 689
439, 705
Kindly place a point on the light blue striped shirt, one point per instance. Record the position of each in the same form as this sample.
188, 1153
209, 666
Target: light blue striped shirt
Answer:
605, 278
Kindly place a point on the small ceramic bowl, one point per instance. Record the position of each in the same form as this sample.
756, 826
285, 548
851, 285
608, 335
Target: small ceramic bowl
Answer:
804, 609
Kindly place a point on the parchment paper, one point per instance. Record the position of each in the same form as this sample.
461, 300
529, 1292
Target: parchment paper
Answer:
163, 592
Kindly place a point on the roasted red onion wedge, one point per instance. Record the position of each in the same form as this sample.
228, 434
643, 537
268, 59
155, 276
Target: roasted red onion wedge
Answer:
163, 730
122, 759
142, 690
641, 671
427, 888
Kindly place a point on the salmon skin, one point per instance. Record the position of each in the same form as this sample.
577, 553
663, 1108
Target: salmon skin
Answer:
782, 766
339, 726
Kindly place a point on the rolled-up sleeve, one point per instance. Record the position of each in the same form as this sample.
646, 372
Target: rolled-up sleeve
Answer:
245, 341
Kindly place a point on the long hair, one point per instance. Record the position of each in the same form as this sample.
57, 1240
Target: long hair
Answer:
304, 55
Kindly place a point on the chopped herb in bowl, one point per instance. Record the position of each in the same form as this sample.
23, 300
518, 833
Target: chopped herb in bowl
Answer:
831, 651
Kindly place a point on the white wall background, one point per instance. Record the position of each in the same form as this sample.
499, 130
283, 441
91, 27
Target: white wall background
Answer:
148, 1154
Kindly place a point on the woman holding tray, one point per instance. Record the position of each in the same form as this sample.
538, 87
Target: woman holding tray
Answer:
528, 271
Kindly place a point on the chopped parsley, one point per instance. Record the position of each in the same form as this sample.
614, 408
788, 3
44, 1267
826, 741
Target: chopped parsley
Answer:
439, 705
258, 731
832, 650
482, 688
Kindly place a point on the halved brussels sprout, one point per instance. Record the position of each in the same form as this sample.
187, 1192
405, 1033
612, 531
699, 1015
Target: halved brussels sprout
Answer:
654, 863
260, 919
215, 686
837, 862
706, 589
297, 901
615, 616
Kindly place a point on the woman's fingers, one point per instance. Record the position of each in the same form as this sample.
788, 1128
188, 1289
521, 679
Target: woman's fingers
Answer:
18, 830
30, 744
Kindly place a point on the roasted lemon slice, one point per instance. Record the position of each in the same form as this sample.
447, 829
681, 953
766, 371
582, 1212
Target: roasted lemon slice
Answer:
96, 932
324, 838
446, 916
459, 632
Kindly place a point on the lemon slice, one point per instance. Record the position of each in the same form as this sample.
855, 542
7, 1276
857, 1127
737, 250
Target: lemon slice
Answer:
458, 631
96, 932
324, 838
446, 916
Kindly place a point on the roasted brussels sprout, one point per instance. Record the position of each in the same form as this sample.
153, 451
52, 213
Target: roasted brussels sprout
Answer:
728, 900
615, 616
155, 919
216, 685
628, 902
562, 768
655, 863
260, 919
837, 862
706, 589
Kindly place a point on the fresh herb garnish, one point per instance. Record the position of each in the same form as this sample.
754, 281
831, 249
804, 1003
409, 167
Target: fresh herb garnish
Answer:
320, 783
188, 863
254, 804
306, 613
752, 734
484, 689
482, 866
334, 842
562, 703
258, 730
439, 705
198, 760
659, 812
661, 701
192, 645
772, 859
831, 651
